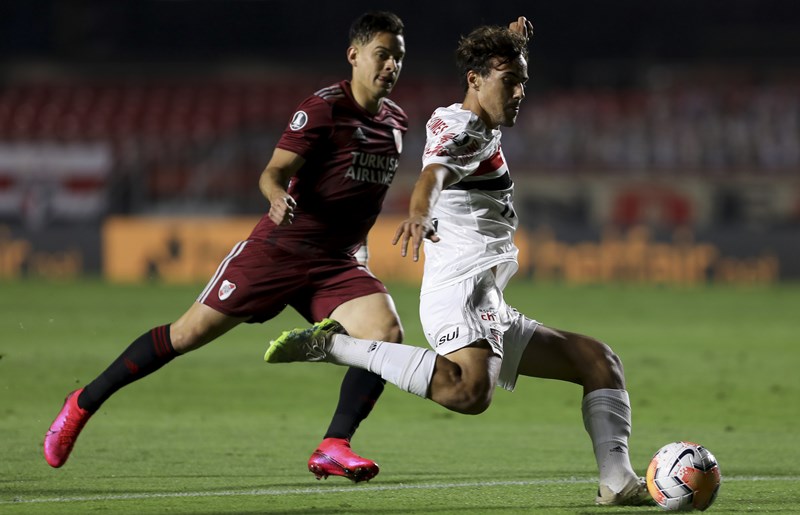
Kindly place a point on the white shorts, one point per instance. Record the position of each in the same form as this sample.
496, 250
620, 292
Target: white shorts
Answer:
473, 309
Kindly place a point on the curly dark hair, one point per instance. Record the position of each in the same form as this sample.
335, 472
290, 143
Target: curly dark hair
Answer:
370, 23
477, 50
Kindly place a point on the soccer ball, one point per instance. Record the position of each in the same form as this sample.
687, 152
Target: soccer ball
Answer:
683, 476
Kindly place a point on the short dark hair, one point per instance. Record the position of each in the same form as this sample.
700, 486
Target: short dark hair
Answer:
366, 26
477, 50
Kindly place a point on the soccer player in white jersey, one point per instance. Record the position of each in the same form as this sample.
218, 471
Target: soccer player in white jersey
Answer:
461, 207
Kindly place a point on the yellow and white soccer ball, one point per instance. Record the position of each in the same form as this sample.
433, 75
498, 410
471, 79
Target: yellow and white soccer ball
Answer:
683, 476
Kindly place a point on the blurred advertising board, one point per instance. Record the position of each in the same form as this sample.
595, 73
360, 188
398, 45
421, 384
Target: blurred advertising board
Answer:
190, 249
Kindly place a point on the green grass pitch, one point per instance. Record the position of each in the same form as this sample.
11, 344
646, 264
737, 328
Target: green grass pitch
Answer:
220, 431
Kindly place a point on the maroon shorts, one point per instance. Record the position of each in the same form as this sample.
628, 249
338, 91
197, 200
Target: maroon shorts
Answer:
257, 280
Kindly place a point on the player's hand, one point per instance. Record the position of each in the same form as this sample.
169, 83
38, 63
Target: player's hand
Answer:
281, 209
522, 26
414, 229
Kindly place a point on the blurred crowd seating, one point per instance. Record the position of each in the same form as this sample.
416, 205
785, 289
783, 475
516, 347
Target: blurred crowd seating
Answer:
707, 131
195, 143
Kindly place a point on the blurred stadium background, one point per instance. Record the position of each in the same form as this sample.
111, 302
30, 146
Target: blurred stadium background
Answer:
659, 142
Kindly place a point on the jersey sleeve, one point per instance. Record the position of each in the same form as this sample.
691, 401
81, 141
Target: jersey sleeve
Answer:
450, 144
311, 122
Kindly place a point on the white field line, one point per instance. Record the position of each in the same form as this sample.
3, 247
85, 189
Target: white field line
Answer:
322, 490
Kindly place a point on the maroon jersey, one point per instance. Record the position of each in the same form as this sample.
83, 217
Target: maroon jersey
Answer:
351, 158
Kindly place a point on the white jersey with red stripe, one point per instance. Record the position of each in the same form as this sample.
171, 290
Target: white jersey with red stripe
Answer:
475, 217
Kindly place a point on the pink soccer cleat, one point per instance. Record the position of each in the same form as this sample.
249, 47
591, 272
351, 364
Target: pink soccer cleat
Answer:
334, 457
64, 430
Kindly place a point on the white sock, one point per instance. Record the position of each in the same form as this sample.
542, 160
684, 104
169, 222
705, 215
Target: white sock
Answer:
607, 419
407, 367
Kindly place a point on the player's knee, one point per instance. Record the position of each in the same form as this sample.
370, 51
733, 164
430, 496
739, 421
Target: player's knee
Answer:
472, 401
390, 331
616, 373
185, 337
476, 405
469, 397
393, 333
606, 365
611, 361
180, 339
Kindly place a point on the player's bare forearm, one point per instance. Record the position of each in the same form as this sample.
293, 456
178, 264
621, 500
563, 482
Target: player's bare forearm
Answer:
274, 183
425, 194
419, 225
273, 186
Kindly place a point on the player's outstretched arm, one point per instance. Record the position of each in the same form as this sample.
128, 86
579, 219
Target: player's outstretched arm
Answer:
419, 224
274, 182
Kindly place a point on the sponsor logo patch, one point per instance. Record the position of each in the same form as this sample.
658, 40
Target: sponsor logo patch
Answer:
226, 289
299, 120
488, 315
448, 335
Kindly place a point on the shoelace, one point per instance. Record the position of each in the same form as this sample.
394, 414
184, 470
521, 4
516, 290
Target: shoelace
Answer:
316, 349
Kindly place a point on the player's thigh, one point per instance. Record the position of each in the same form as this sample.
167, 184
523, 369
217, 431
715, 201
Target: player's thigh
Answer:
347, 292
372, 316
556, 354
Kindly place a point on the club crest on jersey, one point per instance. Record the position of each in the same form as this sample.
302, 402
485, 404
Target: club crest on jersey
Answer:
398, 140
226, 289
299, 120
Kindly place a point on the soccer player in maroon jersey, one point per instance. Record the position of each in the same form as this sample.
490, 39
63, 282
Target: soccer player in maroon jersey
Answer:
325, 183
